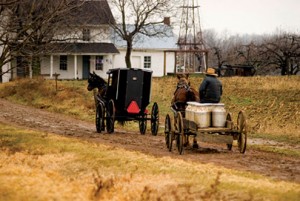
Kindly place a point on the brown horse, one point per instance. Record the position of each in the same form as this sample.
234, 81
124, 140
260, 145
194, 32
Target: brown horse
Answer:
183, 93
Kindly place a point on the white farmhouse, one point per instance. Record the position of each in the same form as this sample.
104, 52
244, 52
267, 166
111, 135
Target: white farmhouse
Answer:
96, 48
156, 53
93, 51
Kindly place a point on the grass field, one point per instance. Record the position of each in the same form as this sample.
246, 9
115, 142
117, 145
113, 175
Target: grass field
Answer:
45, 166
270, 103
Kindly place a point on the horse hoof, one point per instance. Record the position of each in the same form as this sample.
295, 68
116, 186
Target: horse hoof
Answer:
195, 146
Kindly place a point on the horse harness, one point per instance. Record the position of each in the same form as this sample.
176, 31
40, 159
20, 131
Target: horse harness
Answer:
178, 105
182, 85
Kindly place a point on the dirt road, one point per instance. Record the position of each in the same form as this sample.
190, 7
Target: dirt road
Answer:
273, 165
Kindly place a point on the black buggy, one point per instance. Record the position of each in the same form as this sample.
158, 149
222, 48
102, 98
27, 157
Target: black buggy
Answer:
127, 96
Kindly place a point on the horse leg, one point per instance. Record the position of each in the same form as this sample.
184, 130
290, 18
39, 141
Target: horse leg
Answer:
195, 144
186, 140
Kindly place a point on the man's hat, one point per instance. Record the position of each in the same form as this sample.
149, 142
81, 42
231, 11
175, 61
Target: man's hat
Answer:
211, 71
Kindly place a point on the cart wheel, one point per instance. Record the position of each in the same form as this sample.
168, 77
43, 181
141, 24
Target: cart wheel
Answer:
180, 134
229, 119
170, 138
100, 118
167, 129
154, 119
242, 128
143, 125
110, 116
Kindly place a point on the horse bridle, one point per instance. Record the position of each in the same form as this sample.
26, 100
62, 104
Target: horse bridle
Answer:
181, 85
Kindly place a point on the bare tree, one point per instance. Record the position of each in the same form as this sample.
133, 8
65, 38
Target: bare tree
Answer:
28, 27
283, 52
135, 17
222, 48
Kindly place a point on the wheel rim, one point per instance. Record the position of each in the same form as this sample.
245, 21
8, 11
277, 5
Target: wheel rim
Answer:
167, 129
180, 134
171, 138
143, 125
99, 118
242, 128
110, 116
228, 117
154, 119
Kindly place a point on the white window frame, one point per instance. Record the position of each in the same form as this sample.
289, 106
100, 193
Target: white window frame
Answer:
147, 61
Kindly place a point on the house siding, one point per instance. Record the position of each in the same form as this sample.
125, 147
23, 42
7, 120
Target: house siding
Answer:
157, 60
70, 72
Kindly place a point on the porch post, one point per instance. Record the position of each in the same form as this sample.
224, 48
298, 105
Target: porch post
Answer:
165, 66
113, 61
75, 66
51, 66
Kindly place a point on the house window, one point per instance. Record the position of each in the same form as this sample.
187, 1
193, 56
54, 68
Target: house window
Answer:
147, 62
63, 62
86, 35
99, 63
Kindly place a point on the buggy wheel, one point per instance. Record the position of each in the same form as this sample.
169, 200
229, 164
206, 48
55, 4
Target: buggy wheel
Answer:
154, 119
100, 118
143, 124
180, 133
167, 129
242, 129
110, 116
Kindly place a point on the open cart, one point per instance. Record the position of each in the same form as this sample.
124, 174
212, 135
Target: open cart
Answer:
210, 125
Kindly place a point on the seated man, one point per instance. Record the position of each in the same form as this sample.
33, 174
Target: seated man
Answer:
210, 90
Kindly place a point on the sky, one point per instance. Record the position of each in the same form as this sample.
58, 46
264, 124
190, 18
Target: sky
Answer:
250, 16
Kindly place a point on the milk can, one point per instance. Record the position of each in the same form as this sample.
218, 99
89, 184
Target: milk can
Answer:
218, 115
202, 115
189, 111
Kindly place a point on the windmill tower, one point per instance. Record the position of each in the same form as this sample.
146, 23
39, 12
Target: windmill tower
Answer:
192, 55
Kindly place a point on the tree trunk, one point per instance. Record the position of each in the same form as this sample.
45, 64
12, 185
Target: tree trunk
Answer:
289, 66
284, 68
128, 54
1, 74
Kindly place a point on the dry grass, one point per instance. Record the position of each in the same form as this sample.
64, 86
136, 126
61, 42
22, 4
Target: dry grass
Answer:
270, 103
44, 166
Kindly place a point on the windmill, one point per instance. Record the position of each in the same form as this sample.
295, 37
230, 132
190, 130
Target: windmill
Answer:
192, 55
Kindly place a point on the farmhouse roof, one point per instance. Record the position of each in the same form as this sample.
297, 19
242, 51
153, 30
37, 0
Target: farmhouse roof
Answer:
162, 42
84, 48
94, 12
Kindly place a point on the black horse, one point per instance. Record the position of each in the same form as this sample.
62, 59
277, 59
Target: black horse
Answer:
95, 81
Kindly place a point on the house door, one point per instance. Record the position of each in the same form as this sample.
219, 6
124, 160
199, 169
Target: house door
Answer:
85, 67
